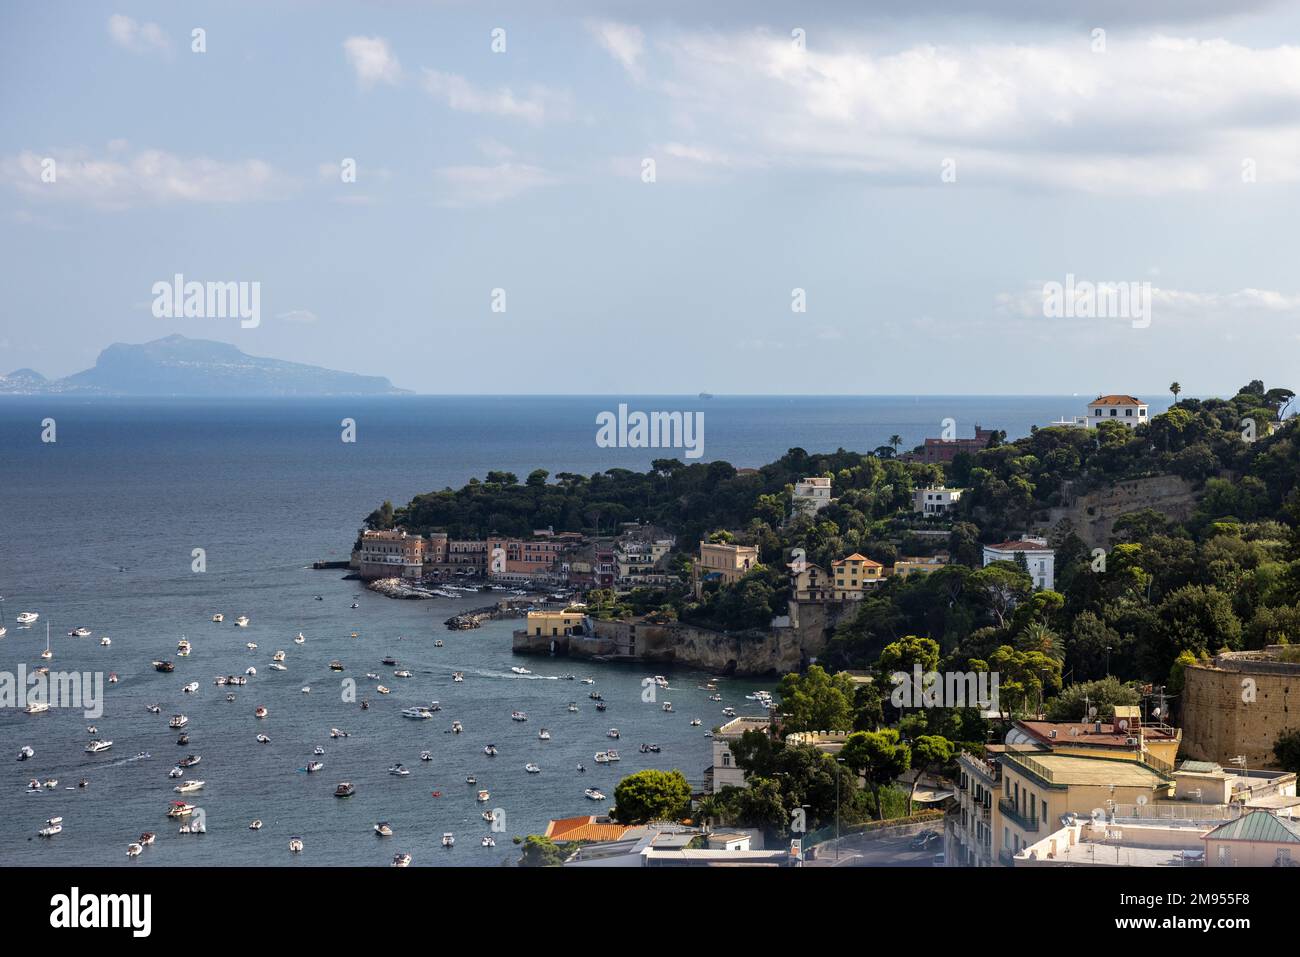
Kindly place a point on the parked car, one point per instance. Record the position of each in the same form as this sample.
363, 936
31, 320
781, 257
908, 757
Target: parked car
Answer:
925, 840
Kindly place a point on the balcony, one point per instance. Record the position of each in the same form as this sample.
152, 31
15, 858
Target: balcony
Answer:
1017, 817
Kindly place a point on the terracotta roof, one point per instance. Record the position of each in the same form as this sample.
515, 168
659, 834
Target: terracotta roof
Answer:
1080, 732
1021, 546
1116, 400
584, 828
857, 557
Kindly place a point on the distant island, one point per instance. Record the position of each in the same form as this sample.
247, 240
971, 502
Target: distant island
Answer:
179, 366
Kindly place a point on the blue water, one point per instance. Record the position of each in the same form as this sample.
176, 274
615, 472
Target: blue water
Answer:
97, 529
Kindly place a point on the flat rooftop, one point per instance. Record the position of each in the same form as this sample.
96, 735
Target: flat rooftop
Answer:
1070, 769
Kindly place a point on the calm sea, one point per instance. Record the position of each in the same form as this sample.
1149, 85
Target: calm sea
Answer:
98, 529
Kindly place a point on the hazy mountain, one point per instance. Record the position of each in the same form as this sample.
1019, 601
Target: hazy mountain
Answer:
176, 365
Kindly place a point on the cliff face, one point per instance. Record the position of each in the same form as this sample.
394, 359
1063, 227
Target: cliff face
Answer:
1093, 515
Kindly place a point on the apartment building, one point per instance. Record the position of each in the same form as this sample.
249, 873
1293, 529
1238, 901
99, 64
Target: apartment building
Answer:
811, 495
1039, 558
390, 554
855, 575
935, 500
723, 562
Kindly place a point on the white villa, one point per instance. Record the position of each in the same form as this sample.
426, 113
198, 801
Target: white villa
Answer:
935, 500
1038, 556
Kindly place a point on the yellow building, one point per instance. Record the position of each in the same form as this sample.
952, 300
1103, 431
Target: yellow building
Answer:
722, 562
855, 575
917, 565
552, 624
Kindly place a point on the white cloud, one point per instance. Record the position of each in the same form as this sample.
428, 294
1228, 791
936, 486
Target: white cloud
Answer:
624, 42
1181, 305
487, 185
137, 37
372, 61
148, 177
1148, 116
536, 106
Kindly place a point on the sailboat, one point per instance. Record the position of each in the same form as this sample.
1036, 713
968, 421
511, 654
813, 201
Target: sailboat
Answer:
47, 654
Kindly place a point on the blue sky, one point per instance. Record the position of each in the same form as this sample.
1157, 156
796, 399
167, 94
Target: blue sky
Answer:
776, 168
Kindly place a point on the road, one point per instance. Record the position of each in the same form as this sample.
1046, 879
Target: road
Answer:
857, 851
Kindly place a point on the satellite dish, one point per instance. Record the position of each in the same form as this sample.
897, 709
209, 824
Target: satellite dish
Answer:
1092, 712
1142, 800
1123, 724
1156, 711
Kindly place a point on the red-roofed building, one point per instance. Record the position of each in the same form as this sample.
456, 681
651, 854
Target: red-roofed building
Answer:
1040, 560
1125, 409
587, 827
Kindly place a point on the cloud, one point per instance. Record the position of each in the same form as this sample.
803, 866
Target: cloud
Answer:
1182, 306
538, 105
137, 37
625, 43
487, 185
372, 61
298, 315
148, 177
1156, 115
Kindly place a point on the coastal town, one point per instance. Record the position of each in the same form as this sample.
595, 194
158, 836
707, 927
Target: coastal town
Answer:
1088, 749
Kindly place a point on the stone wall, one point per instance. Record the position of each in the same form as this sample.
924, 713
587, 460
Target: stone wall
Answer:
1219, 724
1093, 515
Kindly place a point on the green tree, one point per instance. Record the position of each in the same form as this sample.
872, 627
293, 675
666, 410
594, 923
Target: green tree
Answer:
878, 756
651, 795
817, 701
540, 851
929, 753
1175, 388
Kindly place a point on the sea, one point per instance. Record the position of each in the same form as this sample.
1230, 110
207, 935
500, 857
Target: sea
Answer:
99, 529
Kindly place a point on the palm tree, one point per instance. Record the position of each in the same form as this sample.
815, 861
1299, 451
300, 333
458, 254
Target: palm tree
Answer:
1175, 388
895, 441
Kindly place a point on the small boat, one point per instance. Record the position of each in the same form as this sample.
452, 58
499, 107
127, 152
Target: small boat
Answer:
314, 766
133, 849
660, 681
457, 676
345, 789
417, 713
383, 689
36, 707
260, 712
487, 816
389, 661
532, 768
484, 796
82, 632
715, 697
53, 826
276, 666
295, 845
594, 794
399, 770
298, 639
320, 597
105, 641
471, 779
336, 733
650, 749
176, 772
193, 827
188, 761
355, 605
401, 860
457, 727
242, 621
278, 656
437, 643
520, 671
255, 825
518, 716
587, 681
250, 671
601, 706
180, 809
218, 617
92, 729
383, 829
318, 750
25, 752
263, 739
543, 735
490, 750
33, 786
434, 706
667, 706
372, 676
230, 696
27, 617
401, 674
183, 648
488, 841
612, 733
306, 689
607, 757
147, 838
426, 755
596, 696
695, 722
448, 839
336, 666
112, 677
729, 712
189, 787
573, 707
191, 688
177, 721
251, 646
94, 747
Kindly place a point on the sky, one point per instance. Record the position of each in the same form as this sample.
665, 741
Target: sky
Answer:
614, 197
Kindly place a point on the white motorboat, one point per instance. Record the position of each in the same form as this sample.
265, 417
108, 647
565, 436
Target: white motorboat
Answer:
218, 617
383, 689
298, 639
278, 656
437, 643
260, 712
383, 829
314, 766
532, 768
177, 772
295, 845
306, 689
543, 735
255, 825
488, 841
263, 739
276, 666
26, 752
242, 621
729, 712
668, 706
457, 727
606, 757
189, 761
36, 707
188, 787
457, 676
402, 674
660, 681
418, 713
193, 827
105, 641
82, 632
573, 707
612, 733
134, 850
399, 770
448, 839
318, 750
518, 716
401, 860
490, 750
337, 733
695, 722
484, 796
180, 809
178, 721
520, 671
251, 646
52, 826
594, 794
147, 838
426, 755
27, 617
191, 688
94, 747
250, 672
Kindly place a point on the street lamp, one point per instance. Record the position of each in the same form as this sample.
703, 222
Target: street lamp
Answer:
838, 760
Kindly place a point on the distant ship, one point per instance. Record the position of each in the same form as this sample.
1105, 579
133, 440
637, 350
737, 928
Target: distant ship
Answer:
706, 395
